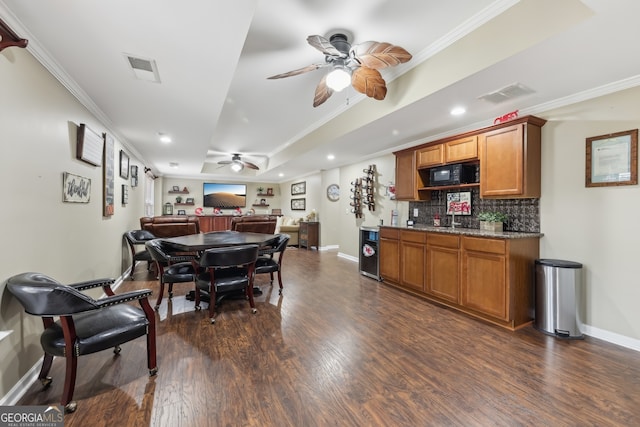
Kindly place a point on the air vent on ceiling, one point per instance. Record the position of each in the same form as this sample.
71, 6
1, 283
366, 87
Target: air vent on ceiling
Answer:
143, 69
511, 91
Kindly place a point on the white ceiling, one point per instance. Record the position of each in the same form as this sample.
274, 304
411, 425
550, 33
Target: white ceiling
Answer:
213, 59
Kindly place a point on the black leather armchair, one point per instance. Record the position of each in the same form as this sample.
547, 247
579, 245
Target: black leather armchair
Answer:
171, 268
268, 263
135, 238
85, 325
225, 270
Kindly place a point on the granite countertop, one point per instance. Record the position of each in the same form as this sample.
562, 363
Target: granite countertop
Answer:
470, 231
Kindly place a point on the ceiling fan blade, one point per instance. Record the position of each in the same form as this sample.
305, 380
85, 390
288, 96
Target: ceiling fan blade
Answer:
379, 55
303, 70
370, 82
250, 165
323, 92
324, 46
225, 162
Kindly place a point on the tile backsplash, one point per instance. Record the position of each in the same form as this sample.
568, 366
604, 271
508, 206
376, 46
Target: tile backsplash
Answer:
523, 214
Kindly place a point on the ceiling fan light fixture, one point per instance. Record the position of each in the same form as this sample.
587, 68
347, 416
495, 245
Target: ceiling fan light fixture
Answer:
338, 78
236, 166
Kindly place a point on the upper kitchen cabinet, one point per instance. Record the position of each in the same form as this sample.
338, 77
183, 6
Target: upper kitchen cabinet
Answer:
510, 159
407, 178
430, 156
461, 150
454, 151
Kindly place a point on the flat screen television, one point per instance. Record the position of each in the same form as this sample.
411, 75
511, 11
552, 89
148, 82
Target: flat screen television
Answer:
224, 196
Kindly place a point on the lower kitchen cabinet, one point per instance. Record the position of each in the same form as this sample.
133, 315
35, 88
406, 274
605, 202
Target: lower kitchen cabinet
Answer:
484, 282
412, 259
443, 266
389, 249
489, 278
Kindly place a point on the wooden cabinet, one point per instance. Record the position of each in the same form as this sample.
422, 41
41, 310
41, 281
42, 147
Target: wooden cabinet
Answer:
412, 259
508, 155
443, 266
497, 279
430, 156
309, 234
215, 223
458, 150
406, 176
484, 281
510, 161
489, 278
461, 150
389, 248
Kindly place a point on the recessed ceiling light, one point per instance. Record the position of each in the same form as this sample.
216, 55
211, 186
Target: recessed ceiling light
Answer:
280, 174
174, 165
331, 157
457, 111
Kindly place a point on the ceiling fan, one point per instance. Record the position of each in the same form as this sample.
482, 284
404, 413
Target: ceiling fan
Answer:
237, 164
357, 65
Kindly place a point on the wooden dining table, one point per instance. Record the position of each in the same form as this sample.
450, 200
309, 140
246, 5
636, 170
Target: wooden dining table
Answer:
217, 239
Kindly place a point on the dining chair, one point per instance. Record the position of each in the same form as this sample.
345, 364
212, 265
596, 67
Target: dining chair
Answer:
171, 268
268, 263
225, 270
85, 325
135, 238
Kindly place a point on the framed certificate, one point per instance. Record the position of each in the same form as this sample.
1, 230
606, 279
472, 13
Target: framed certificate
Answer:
612, 159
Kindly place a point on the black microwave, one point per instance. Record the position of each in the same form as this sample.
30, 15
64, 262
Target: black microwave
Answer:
452, 175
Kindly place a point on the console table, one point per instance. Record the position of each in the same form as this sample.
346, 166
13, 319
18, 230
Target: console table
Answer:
309, 234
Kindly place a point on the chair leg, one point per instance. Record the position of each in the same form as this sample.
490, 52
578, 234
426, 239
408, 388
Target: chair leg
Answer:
280, 280
152, 363
133, 266
70, 383
271, 276
159, 300
212, 304
170, 290
44, 377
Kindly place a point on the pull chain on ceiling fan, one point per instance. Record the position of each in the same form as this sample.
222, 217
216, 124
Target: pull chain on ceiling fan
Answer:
357, 65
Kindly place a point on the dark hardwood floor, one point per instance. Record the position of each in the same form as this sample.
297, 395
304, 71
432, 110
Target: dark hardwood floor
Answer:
340, 349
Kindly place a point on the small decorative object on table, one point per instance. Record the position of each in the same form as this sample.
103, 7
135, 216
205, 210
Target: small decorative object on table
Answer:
492, 221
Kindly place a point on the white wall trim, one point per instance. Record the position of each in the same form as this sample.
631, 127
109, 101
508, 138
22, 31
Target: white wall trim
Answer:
611, 337
21, 387
348, 257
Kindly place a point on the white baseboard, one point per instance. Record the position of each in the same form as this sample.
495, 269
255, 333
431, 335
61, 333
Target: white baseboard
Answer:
348, 257
611, 337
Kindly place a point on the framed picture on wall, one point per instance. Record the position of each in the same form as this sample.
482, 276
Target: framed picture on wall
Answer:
612, 159
134, 175
108, 172
298, 204
124, 165
298, 188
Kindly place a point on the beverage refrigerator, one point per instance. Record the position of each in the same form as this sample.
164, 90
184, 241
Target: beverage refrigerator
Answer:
368, 259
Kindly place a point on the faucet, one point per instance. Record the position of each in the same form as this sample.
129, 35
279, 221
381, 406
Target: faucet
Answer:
453, 219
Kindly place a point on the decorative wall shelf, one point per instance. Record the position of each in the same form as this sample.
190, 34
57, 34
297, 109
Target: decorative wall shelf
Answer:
178, 192
260, 206
264, 195
184, 204
8, 38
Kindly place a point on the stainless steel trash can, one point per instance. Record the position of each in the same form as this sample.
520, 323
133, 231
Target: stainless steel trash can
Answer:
557, 285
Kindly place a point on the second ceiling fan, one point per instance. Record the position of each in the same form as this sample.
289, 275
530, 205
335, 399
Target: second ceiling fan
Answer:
357, 65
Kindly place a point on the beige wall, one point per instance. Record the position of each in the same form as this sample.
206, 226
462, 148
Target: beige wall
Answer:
67, 241
597, 227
